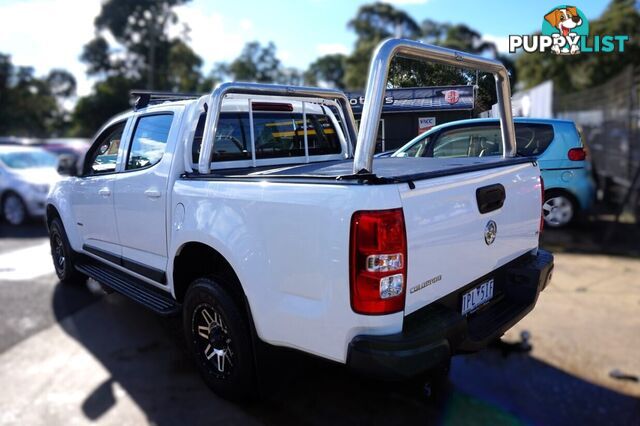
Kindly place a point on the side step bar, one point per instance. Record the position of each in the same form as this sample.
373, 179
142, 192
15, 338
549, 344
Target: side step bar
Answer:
135, 289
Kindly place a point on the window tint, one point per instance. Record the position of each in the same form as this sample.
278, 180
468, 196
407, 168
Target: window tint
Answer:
277, 135
149, 140
282, 135
470, 142
418, 149
104, 153
482, 141
532, 138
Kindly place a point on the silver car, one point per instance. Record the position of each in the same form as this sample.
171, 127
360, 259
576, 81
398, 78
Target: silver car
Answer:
26, 174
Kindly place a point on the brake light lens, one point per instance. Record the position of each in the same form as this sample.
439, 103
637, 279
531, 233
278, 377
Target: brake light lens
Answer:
271, 106
378, 262
577, 154
542, 204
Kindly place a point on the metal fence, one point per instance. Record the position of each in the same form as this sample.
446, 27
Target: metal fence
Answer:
608, 117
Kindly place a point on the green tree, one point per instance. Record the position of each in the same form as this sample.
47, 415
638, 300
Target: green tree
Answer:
328, 70
185, 75
145, 56
109, 97
256, 63
32, 106
378, 21
372, 24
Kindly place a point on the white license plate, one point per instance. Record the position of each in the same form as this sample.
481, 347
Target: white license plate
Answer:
477, 296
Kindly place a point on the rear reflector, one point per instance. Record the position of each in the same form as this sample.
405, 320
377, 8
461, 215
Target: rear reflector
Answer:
271, 106
378, 262
577, 154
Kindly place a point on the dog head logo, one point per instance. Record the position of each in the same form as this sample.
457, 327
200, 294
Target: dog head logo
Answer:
567, 24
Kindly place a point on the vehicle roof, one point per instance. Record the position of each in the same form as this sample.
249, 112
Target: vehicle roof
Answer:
495, 120
19, 148
237, 103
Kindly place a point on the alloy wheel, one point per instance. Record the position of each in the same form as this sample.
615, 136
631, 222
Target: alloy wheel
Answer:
213, 341
13, 210
57, 250
557, 211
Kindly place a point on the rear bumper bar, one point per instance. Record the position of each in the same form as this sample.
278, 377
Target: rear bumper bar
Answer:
433, 334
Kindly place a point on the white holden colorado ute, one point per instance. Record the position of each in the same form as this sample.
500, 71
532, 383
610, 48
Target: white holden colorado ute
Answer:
258, 213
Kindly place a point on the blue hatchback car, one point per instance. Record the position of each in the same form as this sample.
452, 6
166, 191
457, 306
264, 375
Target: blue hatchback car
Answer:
569, 186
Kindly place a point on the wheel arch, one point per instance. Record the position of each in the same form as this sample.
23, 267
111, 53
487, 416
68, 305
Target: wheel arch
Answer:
196, 259
51, 213
564, 191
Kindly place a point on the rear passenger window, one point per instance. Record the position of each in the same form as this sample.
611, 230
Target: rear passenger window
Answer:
277, 135
532, 138
149, 140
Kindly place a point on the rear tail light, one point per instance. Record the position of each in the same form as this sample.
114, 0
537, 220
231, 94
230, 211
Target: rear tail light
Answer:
378, 262
542, 204
577, 154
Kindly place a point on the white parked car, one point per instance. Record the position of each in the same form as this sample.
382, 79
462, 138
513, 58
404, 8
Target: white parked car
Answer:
254, 214
26, 174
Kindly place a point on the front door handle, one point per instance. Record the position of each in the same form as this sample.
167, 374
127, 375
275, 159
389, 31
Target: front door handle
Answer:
152, 193
105, 192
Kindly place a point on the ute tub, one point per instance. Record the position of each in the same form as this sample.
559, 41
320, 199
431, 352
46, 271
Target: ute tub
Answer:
433, 334
387, 170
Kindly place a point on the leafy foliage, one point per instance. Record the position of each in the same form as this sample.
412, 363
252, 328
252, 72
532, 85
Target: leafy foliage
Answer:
141, 55
328, 70
373, 23
31, 106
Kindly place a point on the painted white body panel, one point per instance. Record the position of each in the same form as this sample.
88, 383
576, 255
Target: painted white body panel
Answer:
140, 201
288, 242
445, 230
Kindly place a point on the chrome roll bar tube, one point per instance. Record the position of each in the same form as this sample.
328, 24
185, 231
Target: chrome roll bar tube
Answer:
215, 105
377, 84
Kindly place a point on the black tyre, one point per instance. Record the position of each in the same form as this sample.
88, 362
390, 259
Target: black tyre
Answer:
559, 209
14, 210
219, 339
63, 255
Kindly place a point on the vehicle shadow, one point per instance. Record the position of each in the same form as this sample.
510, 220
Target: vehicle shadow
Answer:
146, 356
598, 234
33, 229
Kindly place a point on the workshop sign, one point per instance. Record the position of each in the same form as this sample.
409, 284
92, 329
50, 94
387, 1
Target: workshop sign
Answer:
420, 99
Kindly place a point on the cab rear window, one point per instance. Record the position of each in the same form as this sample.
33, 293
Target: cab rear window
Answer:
277, 135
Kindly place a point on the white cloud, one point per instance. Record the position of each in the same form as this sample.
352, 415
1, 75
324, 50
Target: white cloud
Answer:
284, 55
47, 34
501, 42
246, 24
331, 48
213, 37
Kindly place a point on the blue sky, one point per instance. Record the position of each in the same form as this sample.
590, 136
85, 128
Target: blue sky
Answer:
302, 29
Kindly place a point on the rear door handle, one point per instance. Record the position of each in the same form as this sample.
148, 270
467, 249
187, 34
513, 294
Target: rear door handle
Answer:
490, 198
105, 192
152, 193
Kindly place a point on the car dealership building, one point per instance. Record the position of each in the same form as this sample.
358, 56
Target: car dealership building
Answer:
408, 112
